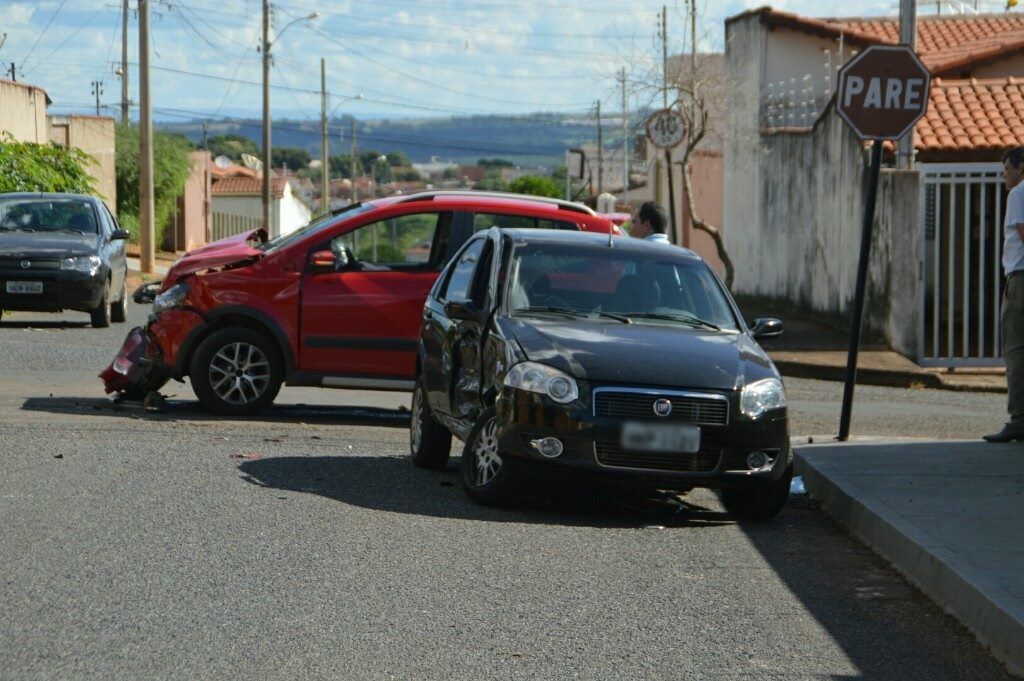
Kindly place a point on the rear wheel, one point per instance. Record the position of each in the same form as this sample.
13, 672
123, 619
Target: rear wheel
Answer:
119, 310
487, 478
430, 443
759, 501
236, 371
100, 314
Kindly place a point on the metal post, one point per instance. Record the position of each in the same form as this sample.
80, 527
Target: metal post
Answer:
146, 200
266, 119
124, 61
908, 36
325, 203
600, 152
97, 90
672, 198
352, 158
625, 137
858, 300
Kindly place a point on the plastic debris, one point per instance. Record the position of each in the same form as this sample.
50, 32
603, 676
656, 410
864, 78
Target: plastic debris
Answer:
797, 486
247, 456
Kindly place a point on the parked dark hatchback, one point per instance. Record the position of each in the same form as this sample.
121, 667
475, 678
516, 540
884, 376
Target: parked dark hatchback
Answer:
62, 252
568, 355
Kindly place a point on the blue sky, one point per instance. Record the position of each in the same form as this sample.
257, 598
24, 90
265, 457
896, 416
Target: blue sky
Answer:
427, 58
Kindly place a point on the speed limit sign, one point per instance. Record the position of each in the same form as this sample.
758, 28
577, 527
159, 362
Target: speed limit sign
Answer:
665, 129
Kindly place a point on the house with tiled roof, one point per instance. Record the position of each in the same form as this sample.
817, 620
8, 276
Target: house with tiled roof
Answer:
794, 176
236, 203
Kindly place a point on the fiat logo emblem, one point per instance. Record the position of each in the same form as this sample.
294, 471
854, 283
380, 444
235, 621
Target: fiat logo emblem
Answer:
25, 264
662, 407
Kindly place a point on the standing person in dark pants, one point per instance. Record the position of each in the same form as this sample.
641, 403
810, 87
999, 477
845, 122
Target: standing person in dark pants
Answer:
1012, 317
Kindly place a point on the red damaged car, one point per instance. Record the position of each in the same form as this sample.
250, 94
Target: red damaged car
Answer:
337, 303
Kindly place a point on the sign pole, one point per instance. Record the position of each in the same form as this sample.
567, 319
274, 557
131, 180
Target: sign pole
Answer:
858, 302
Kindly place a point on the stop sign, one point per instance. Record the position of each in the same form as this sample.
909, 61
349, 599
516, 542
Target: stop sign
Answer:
883, 91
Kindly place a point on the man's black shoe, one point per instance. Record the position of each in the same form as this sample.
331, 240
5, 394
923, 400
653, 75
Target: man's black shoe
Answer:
1010, 432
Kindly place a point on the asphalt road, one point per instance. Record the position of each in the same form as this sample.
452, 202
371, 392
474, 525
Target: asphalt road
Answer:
303, 544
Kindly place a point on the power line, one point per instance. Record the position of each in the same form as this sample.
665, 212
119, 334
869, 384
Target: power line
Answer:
68, 39
42, 33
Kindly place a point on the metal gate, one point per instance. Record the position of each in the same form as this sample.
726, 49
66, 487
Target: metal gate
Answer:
961, 252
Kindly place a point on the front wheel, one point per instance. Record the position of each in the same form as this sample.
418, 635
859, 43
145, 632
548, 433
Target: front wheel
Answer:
100, 315
430, 443
119, 310
759, 501
487, 478
236, 371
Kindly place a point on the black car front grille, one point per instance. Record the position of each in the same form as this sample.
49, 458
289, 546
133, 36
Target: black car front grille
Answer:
705, 411
612, 455
33, 264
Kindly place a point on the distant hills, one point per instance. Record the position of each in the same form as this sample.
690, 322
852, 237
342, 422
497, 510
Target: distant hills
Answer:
534, 139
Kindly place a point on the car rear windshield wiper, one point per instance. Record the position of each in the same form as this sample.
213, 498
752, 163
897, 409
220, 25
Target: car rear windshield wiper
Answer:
573, 313
687, 319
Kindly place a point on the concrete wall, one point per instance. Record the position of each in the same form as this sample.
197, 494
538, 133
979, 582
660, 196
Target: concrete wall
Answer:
707, 180
794, 205
95, 136
193, 218
23, 112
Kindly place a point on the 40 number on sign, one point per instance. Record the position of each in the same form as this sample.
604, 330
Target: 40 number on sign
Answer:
665, 129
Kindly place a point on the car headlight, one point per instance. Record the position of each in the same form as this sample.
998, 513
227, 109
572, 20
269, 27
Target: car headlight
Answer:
760, 396
540, 378
83, 263
170, 299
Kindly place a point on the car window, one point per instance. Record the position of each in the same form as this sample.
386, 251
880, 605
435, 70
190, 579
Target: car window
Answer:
48, 215
482, 276
482, 221
114, 224
415, 241
461, 277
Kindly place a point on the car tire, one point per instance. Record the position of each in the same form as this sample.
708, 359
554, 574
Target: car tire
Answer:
100, 314
236, 371
430, 443
119, 310
758, 501
486, 478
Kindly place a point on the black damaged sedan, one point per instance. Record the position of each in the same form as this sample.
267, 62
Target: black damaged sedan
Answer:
567, 355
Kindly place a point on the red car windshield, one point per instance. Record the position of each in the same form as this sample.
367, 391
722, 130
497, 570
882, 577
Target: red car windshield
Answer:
316, 225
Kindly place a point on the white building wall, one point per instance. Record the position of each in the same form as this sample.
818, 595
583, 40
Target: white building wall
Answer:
289, 213
23, 112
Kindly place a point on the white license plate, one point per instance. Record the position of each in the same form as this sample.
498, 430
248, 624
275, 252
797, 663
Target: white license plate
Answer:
660, 437
24, 287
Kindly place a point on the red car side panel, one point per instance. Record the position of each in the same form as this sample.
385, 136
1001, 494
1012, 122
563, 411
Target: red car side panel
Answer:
169, 331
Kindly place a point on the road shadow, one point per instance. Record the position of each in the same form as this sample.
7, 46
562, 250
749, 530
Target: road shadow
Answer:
394, 484
191, 410
62, 324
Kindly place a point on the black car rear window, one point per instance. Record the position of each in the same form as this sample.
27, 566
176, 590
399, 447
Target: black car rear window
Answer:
48, 215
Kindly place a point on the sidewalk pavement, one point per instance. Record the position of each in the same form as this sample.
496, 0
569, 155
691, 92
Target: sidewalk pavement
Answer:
947, 515
884, 367
159, 267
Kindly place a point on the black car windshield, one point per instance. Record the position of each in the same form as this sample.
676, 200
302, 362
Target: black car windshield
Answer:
48, 215
316, 225
648, 286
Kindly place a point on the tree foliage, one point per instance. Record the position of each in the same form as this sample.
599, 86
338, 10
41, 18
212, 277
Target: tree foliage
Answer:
293, 157
535, 185
398, 158
171, 167
492, 182
233, 146
495, 163
31, 167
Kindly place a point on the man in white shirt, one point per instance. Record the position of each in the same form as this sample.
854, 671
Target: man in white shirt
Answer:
1012, 315
649, 223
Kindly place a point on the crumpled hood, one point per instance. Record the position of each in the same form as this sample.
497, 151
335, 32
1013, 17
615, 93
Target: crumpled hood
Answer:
46, 244
217, 254
643, 354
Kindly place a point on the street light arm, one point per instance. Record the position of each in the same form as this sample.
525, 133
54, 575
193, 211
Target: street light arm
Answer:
312, 15
343, 100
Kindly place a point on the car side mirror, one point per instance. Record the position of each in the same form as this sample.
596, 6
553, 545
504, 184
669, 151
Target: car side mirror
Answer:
461, 310
120, 235
766, 327
323, 261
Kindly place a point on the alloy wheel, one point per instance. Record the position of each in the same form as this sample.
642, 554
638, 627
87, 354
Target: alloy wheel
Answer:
239, 373
416, 425
486, 460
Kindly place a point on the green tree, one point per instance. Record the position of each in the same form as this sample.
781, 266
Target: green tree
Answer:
31, 167
407, 174
341, 165
368, 158
450, 174
233, 146
293, 157
492, 182
171, 167
398, 158
537, 186
495, 163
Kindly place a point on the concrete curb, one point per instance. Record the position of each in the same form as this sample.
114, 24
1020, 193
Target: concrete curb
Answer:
887, 378
957, 588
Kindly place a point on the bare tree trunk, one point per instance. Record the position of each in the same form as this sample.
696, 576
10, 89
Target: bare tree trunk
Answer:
706, 227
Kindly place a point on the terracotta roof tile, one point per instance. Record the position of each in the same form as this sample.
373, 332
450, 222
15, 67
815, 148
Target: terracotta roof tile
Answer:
244, 186
957, 121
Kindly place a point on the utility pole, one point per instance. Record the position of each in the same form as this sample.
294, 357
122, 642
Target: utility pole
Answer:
14, 75
600, 152
625, 135
908, 36
146, 213
352, 158
124, 61
664, 99
97, 90
266, 119
325, 203
206, 130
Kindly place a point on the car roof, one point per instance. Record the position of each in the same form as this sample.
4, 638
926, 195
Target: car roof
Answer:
47, 195
484, 199
573, 238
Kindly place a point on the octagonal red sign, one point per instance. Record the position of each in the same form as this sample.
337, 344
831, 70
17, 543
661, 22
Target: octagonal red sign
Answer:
883, 91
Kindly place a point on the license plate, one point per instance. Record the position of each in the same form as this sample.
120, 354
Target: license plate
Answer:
660, 437
24, 287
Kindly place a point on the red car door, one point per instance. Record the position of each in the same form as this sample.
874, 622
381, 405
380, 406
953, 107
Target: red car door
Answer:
362, 320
